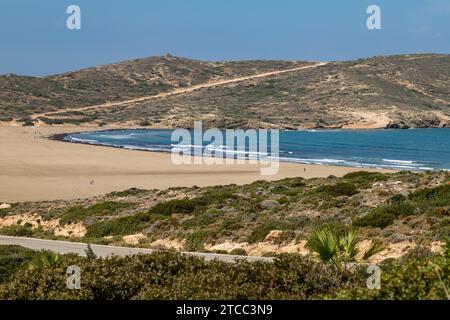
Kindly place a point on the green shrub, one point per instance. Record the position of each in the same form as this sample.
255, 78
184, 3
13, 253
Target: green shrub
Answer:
123, 226
365, 177
77, 214
51, 121
11, 259
195, 205
421, 201
128, 193
166, 275
385, 215
259, 233
409, 279
432, 197
196, 240
17, 231
338, 189
397, 198
185, 206
238, 252
199, 221
28, 123
3, 212
285, 236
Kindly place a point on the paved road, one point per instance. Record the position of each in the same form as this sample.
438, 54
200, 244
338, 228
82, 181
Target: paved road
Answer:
103, 251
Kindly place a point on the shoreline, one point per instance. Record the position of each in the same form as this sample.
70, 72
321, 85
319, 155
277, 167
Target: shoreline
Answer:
61, 138
35, 168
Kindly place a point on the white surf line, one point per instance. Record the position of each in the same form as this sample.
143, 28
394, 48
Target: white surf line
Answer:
180, 91
103, 251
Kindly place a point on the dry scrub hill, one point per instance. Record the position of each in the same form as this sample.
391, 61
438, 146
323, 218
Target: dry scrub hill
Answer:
395, 91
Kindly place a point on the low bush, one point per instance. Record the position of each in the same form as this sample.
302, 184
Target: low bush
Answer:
185, 206
166, 275
338, 189
365, 177
260, 232
195, 205
3, 212
409, 279
429, 200
238, 252
385, 215
432, 197
123, 226
77, 214
196, 240
127, 193
12, 258
17, 231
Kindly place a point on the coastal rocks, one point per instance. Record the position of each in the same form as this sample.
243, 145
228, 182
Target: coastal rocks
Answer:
397, 125
422, 121
426, 121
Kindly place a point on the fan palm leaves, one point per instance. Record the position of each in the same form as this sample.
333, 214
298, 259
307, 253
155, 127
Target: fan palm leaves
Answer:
324, 242
374, 248
45, 260
339, 248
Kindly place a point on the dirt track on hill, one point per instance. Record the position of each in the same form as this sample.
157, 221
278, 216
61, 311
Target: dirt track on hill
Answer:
178, 91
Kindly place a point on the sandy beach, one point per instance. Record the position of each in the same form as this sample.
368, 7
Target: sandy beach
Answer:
34, 168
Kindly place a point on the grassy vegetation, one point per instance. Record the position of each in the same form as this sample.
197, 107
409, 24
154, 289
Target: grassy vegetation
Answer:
424, 201
185, 206
123, 226
385, 215
77, 214
395, 207
365, 178
17, 230
166, 275
415, 277
172, 276
338, 190
128, 193
11, 259
3, 212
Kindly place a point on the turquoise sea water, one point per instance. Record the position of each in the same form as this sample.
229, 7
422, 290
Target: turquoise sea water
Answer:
414, 149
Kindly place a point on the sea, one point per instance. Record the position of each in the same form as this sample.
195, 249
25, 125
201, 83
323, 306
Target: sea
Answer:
412, 149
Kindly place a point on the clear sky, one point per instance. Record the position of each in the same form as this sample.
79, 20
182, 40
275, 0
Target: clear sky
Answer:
34, 39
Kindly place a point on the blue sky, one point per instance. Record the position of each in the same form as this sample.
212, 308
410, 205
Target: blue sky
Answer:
34, 39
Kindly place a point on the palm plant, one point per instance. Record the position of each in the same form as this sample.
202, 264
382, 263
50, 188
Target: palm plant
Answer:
45, 260
324, 242
375, 247
339, 248
348, 246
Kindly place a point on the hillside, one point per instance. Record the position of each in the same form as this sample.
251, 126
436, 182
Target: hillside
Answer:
402, 210
395, 91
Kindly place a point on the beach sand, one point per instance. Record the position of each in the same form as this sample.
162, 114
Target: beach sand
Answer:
34, 168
